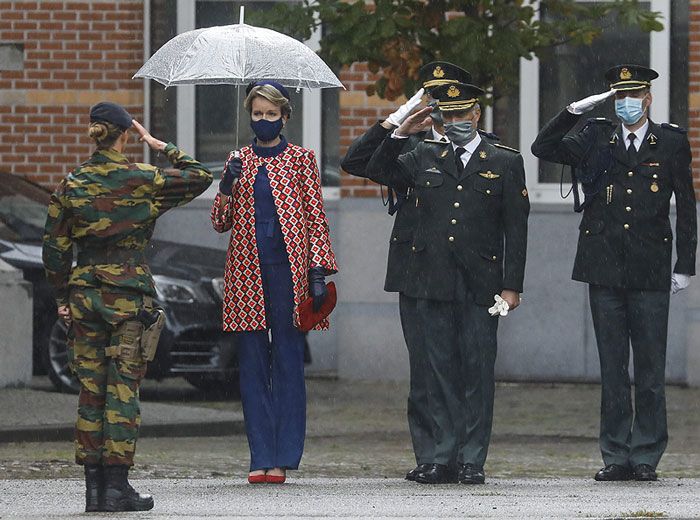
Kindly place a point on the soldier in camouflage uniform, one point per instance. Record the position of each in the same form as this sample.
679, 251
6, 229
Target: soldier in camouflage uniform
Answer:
106, 210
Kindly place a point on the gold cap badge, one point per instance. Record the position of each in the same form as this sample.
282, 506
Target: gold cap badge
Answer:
453, 92
625, 74
438, 72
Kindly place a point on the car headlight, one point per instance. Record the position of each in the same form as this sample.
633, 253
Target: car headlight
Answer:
175, 290
218, 286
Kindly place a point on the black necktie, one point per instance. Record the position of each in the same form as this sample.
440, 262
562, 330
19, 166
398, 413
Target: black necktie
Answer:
458, 158
631, 150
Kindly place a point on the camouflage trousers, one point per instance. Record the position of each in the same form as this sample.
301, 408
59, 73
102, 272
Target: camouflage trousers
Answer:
108, 404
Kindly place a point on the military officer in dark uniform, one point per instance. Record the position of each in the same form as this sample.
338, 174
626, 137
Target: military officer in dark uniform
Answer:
628, 173
402, 204
468, 246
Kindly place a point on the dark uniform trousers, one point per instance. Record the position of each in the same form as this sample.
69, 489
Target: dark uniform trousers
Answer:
466, 221
420, 422
624, 254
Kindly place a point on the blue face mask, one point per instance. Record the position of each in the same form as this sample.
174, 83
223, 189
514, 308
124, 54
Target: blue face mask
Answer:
266, 130
629, 110
461, 132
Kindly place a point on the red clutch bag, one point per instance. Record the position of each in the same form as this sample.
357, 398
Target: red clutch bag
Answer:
308, 319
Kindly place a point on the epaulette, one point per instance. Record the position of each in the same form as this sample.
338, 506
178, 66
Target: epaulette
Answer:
435, 141
600, 121
489, 135
499, 145
674, 127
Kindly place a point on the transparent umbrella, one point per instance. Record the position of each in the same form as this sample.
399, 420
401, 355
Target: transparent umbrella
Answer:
237, 54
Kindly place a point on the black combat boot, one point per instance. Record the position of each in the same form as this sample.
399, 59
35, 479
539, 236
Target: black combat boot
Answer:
94, 488
119, 495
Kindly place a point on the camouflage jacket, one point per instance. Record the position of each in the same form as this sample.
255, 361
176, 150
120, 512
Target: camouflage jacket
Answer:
107, 208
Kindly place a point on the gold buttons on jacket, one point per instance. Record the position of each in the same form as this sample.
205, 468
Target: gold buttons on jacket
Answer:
666, 239
626, 226
654, 187
460, 187
413, 248
629, 174
427, 183
453, 221
654, 176
494, 257
629, 191
588, 232
456, 204
451, 239
628, 209
488, 192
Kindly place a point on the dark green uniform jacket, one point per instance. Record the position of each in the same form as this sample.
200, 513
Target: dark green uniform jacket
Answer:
107, 207
406, 219
625, 235
475, 220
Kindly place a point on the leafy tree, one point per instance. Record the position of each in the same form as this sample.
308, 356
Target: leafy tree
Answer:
396, 37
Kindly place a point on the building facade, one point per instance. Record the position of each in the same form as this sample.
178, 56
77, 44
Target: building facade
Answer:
57, 58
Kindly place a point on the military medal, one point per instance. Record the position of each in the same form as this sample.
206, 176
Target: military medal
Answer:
654, 187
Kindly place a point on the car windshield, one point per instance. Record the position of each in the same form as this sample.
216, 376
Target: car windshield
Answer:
23, 208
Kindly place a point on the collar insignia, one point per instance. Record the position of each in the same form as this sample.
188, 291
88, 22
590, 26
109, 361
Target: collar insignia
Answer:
651, 139
482, 154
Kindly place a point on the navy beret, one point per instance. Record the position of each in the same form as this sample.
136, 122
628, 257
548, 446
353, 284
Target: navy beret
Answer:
106, 112
260, 83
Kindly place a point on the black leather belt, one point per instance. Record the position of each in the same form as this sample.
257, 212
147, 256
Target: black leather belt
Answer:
111, 256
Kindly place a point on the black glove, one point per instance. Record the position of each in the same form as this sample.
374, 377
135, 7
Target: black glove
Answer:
231, 172
317, 286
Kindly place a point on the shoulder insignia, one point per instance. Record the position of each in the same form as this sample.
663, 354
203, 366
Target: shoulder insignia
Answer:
674, 127
600, 121
489, 135
499, 145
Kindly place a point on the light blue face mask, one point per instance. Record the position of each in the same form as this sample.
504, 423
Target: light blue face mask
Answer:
629, 109
461, 132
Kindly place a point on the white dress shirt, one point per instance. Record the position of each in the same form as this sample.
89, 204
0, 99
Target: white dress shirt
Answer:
639, 134
469, 148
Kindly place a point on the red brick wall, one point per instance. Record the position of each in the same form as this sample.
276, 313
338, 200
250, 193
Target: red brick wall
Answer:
357, 113
75, 55
694, 89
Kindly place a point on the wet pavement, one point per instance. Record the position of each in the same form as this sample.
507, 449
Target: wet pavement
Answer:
542, 458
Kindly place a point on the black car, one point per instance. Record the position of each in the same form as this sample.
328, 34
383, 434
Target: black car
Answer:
189, 288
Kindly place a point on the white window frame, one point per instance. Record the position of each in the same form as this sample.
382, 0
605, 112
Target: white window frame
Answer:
659, 60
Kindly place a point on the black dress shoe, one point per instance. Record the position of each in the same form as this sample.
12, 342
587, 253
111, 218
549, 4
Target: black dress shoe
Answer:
471, 474
411, 475
614, 472
436, 474
644, 472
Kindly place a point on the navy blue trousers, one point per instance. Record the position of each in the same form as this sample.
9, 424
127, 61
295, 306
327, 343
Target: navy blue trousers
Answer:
273, 391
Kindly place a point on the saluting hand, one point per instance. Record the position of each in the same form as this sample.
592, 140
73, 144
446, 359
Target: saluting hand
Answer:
417, 122
146, 137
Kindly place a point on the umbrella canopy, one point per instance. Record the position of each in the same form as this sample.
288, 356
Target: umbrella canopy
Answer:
237, 54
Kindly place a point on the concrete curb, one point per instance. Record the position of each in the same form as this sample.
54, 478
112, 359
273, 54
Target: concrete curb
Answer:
64, 432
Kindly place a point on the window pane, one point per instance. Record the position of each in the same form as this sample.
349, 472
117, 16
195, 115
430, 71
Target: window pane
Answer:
679, 63
219, 108
163, 101
569, 73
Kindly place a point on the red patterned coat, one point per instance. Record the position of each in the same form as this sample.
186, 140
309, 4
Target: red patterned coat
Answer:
296, 189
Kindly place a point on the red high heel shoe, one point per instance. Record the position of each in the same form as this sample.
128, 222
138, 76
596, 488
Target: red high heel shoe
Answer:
276, 479
257, 479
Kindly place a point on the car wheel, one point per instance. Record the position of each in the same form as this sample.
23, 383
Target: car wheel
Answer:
56, 360
217, 386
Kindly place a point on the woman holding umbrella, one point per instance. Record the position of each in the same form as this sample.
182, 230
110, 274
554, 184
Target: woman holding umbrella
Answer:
279, 254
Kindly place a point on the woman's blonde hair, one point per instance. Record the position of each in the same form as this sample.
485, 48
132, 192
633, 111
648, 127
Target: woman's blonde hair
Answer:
104, 134
272, 95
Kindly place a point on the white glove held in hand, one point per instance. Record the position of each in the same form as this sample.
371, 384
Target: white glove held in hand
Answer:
500, 307
396, 118
587, 104
679, 282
